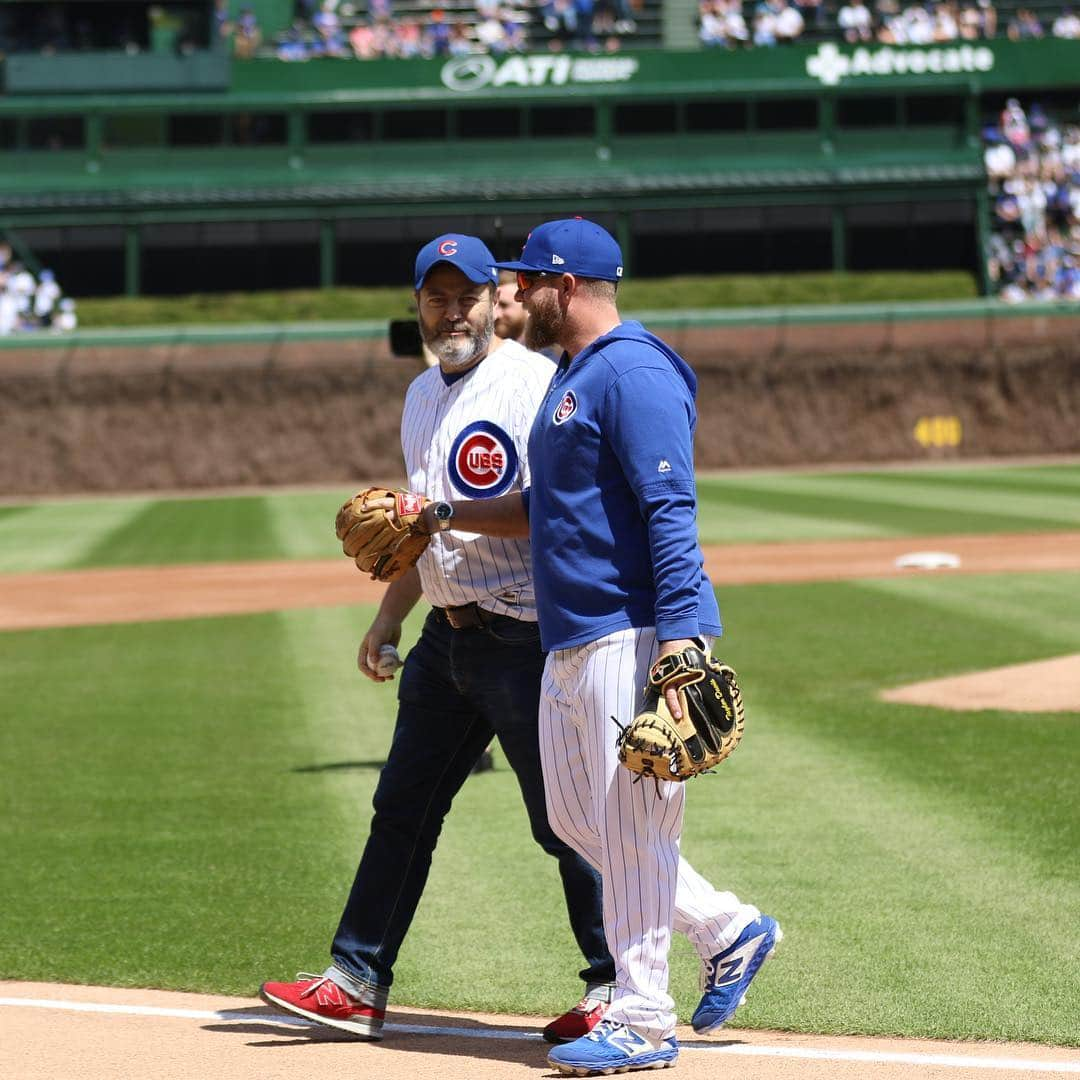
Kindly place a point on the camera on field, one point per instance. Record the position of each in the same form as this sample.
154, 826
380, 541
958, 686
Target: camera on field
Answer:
405, 338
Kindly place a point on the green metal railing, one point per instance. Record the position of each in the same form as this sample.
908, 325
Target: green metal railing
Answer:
988, 310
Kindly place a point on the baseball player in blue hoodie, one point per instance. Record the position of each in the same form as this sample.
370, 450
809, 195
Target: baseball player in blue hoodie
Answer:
611, 514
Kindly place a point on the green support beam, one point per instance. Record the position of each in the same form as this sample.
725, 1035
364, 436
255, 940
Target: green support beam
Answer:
132, 261
839, 239
982, 245
327, 254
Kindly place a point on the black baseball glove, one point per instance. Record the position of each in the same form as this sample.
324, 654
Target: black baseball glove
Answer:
658, 746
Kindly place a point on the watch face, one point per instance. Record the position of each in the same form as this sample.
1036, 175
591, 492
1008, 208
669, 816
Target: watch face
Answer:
444, 511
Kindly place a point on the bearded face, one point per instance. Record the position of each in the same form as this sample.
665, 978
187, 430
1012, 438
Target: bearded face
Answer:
545, 319
456, 317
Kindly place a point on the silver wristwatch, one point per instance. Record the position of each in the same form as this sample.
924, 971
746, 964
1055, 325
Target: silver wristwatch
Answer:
444, 513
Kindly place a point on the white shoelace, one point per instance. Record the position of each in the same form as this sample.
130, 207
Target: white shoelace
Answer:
319, 980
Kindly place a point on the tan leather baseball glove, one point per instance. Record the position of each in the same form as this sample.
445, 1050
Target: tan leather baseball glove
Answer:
379, 530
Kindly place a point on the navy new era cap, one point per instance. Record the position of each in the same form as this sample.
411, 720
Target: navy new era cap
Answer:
573, 246
467, 253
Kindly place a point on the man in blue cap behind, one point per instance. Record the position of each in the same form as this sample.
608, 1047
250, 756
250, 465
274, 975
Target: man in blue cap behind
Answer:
474, 674
611, 512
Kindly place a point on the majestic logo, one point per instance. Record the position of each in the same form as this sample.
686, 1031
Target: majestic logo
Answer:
448, 247
830, 65
567, 408
483, 461
664, 466
469, 73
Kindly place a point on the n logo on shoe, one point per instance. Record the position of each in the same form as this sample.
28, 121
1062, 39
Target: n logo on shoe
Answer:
330, 994
628, 1041
731, 969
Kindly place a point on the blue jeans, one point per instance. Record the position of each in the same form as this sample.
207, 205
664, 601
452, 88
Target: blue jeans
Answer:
459, 688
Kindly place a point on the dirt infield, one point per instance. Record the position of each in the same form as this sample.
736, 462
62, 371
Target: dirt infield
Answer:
51, 1032
141, 594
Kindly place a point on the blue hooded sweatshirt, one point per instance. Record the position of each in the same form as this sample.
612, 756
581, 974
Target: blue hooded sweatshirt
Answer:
612, 503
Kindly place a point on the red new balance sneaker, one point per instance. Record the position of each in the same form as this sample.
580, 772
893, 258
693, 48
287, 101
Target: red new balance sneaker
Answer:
583, 1017
318, 998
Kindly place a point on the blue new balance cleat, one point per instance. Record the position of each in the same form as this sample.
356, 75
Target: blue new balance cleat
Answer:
612, 1048
725, 978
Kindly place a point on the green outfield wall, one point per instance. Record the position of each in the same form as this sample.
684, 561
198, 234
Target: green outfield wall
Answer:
198, 408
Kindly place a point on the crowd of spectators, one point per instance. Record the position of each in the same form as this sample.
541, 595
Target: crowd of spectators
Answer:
1033, 165
917, 24
367, 31
775, 22
772, 22
31, 304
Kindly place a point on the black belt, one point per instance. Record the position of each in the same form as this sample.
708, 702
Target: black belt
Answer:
467, 616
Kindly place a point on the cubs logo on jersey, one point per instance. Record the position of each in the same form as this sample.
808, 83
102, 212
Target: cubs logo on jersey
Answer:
483, 462
566, 408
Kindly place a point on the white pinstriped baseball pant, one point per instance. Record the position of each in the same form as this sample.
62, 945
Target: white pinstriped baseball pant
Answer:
629, 834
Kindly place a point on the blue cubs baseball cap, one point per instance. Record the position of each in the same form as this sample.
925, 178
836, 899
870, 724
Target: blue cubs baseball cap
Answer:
468, 253
573, 246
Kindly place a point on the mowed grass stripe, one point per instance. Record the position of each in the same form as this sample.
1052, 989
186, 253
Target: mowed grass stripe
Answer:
1063, 481
908, 490
1035, 615
761, 519
129, 532
58, 535
154, 831
189, 531
889, 510
348, 720
303, 524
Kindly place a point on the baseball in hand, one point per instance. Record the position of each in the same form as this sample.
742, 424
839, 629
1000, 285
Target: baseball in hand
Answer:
388, 662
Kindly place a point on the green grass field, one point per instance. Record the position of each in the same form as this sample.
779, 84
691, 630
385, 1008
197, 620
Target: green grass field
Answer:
658, 294
184, 802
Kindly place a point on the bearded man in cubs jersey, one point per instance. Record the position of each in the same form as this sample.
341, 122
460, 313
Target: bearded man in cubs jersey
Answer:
475, 671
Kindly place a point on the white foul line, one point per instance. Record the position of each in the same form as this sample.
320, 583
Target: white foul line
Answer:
880, 1057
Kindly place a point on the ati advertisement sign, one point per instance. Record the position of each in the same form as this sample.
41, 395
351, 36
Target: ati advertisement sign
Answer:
479, 72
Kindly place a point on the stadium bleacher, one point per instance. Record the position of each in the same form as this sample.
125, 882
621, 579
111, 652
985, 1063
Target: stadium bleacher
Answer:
647, 24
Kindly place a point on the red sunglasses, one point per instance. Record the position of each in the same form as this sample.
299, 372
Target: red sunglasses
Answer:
526, 279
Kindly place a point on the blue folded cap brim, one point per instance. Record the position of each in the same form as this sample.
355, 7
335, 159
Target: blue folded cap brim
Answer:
531, 268
519, 265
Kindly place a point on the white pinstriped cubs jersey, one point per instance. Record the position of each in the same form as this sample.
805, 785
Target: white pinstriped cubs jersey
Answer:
468, 440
